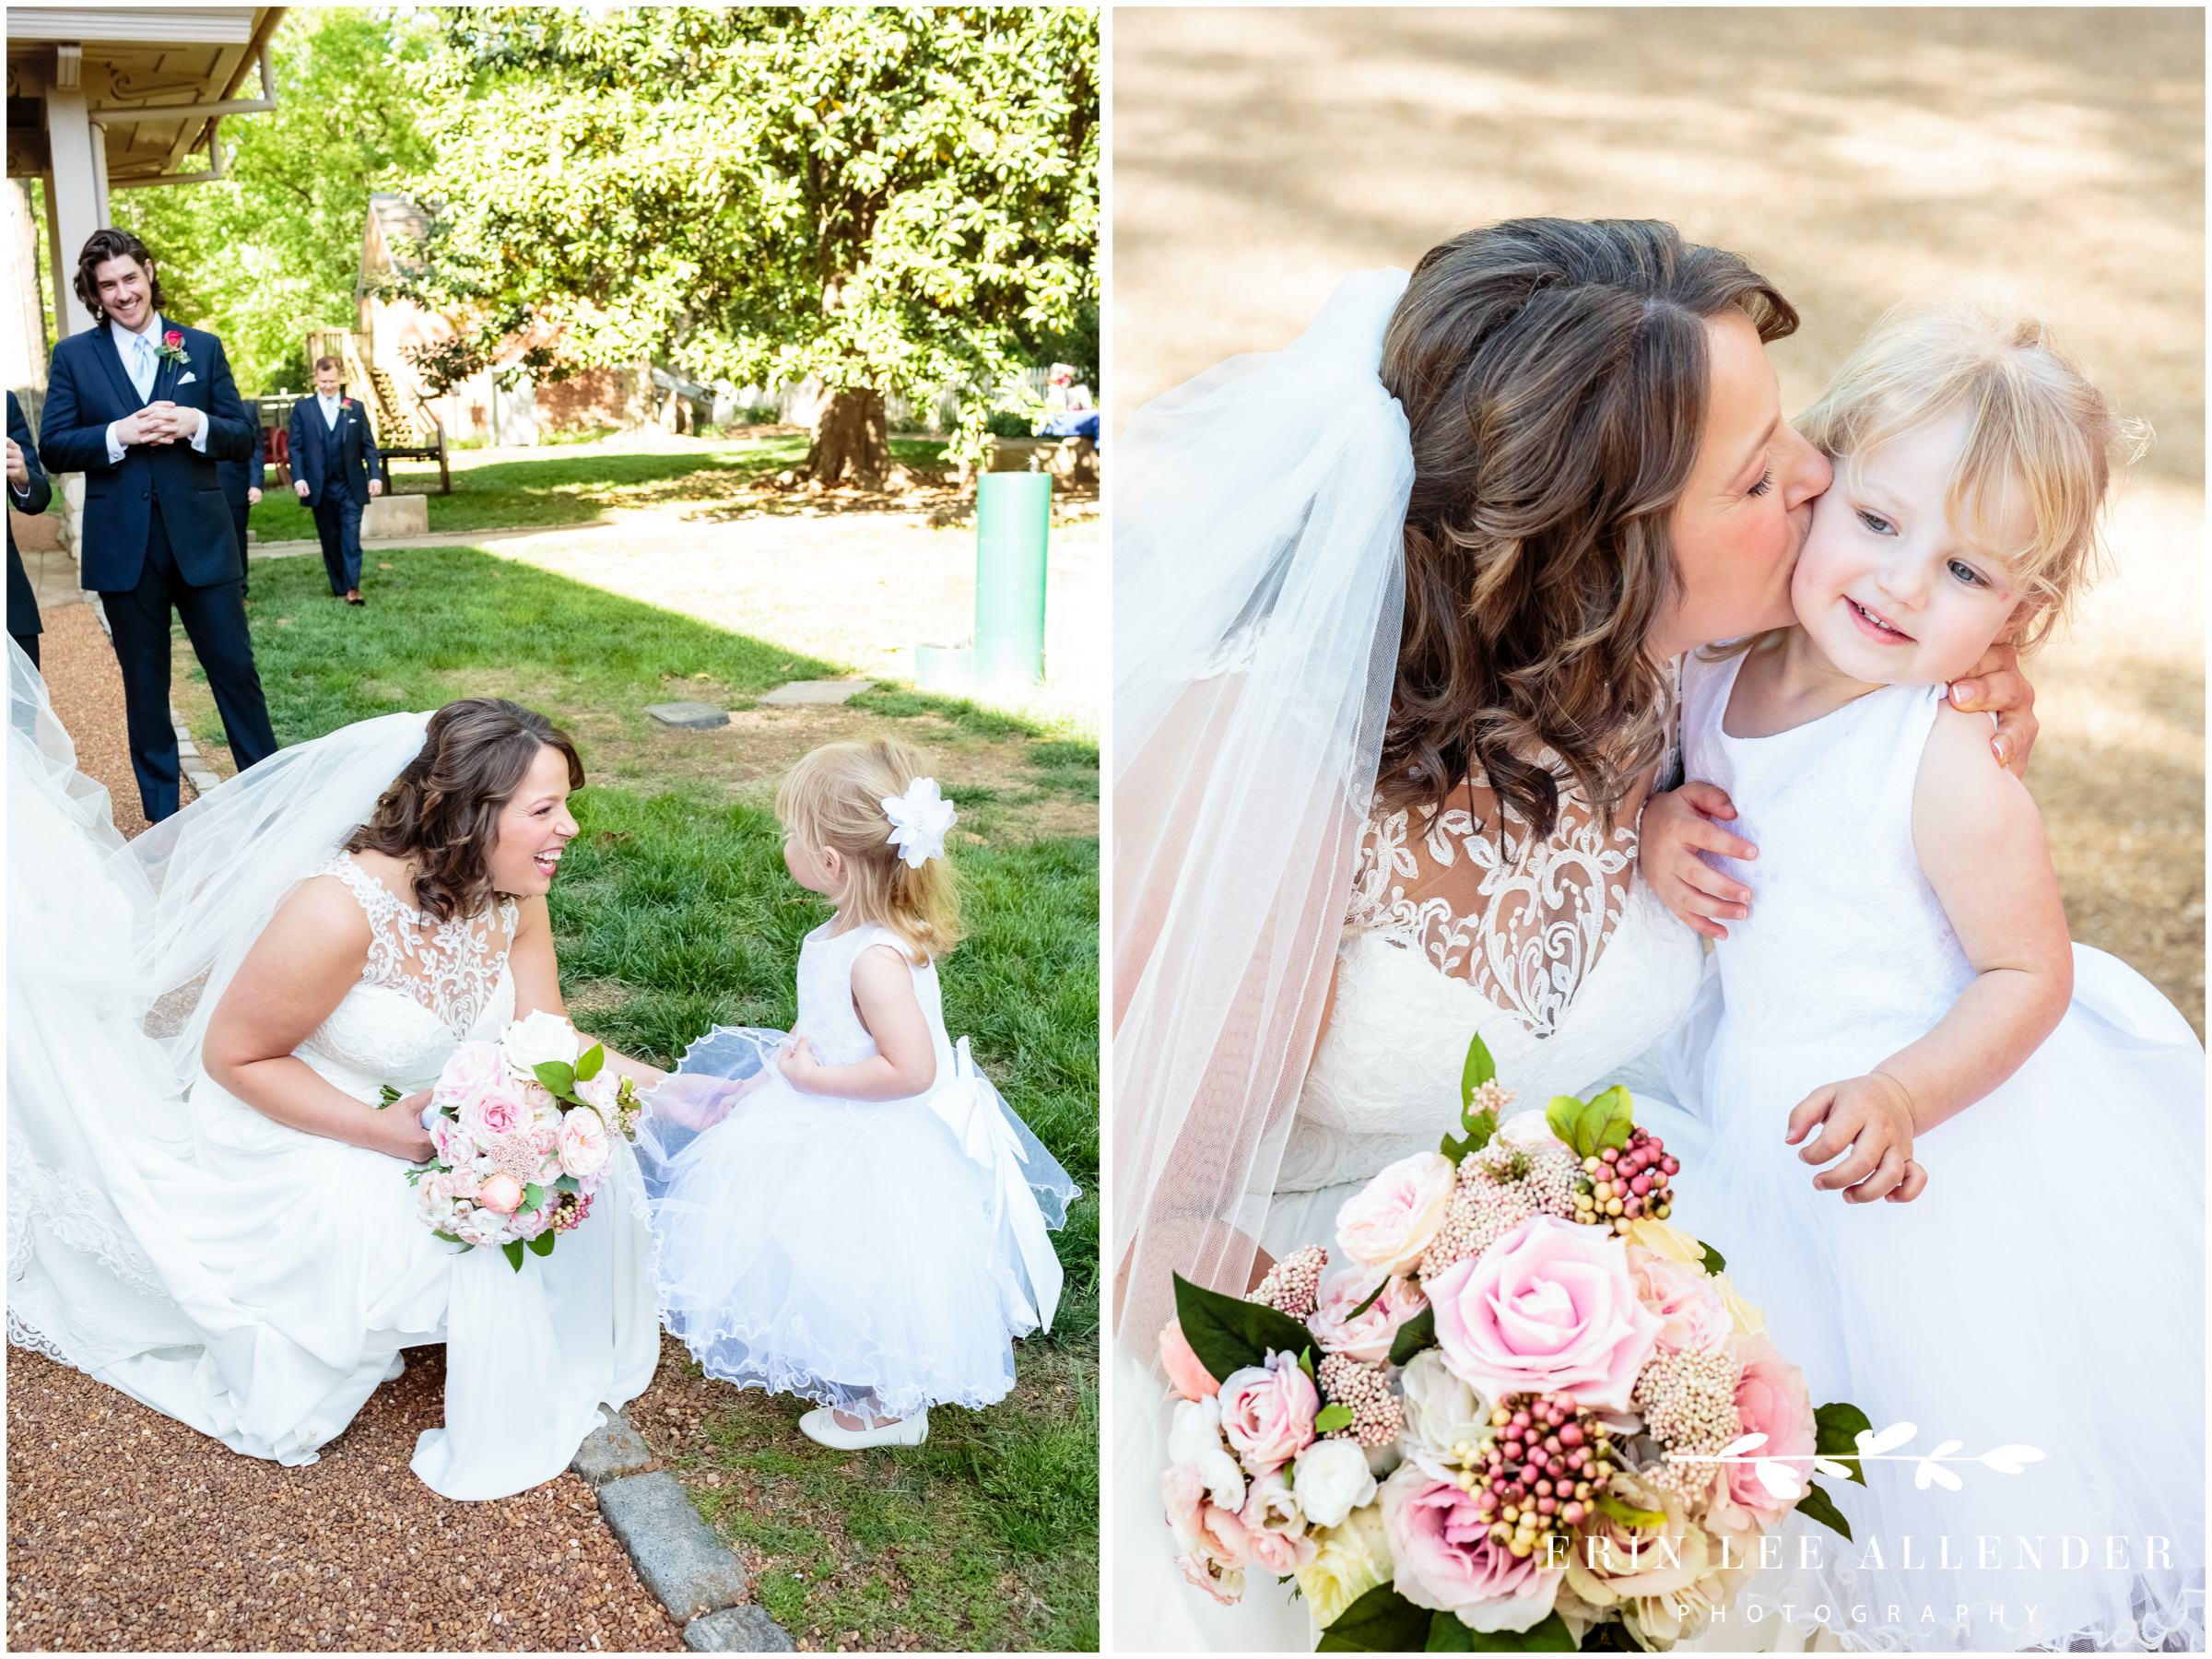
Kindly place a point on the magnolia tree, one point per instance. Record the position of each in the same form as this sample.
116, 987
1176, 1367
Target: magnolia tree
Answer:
889, 200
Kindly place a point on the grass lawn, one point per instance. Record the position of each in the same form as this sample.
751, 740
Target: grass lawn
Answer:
673, 912
566, 485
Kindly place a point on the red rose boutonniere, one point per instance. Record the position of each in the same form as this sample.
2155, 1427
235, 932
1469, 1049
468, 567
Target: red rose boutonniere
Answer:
172, 347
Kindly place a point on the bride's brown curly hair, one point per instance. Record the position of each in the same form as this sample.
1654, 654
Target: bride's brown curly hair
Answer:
442, 813
1554, 374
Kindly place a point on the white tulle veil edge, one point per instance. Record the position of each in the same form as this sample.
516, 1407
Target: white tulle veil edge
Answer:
1259, 583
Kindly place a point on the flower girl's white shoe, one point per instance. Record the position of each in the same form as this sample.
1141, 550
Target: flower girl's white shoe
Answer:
821, 1425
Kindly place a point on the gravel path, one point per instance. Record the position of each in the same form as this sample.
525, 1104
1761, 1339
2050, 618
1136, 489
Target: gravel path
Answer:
129, 1531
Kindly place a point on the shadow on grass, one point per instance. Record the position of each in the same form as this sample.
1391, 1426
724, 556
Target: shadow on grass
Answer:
441, 617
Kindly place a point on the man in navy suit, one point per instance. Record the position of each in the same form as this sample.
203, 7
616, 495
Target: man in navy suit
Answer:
145, 408
241, 488
28, 491
337, 472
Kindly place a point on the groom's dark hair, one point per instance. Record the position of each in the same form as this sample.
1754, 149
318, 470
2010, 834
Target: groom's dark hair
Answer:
103, 246
1554, 374
442, 812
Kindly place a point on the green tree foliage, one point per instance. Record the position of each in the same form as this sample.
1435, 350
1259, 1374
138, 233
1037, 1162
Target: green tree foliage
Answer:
275, 246
889, 199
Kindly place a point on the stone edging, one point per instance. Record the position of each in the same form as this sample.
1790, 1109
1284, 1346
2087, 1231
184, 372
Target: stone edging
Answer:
677, 1557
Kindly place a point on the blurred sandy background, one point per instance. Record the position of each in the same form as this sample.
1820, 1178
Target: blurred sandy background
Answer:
1854, 157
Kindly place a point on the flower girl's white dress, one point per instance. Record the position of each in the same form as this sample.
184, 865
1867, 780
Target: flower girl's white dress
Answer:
2046, 1289
852, 1251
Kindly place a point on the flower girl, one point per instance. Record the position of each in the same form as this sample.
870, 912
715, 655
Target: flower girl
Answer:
1900, 1004
851, 1213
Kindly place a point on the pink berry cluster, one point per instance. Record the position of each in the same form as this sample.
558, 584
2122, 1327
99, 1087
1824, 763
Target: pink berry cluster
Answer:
1542, 1471
1377, 1416
1621, 1184
573, 1208
1293, 1284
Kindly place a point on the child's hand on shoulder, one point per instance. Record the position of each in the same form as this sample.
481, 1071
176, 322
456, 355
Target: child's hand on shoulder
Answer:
1678, 825
1870, 1118
799, 1066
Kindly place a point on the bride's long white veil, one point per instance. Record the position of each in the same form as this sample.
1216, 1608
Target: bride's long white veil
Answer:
117, 955
1259, 585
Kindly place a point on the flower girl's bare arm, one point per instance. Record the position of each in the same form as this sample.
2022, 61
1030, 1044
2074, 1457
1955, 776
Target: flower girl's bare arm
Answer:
536, 975
906, 1059
1980, 844
311, 954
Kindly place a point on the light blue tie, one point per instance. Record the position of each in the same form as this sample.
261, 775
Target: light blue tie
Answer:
143, 378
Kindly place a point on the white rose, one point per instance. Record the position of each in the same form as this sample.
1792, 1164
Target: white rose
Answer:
1333, 1481
1441, 1411
1194, 1440
540, 1041
1530, 1131
480, 1226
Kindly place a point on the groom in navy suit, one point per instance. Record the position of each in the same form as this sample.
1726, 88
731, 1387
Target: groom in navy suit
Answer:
145, 408
337, 471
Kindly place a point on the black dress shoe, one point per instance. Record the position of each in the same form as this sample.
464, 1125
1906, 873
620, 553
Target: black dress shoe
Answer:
355, 598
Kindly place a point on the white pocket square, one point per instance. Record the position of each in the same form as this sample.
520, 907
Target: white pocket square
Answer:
186, 378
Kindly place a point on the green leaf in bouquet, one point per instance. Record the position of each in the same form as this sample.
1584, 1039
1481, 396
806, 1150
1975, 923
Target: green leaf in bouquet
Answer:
1332, 1417
1628, 1514
1715, 1264
533, 1196
1381, 1622
1229, 1334
567, 1183
1479, 1069
1305, 1363
556, 1076
387, 1094
1416, 1333
1610, 1636
1590, 1127
1818, 1505
542, 1244
1373, 1297
512, 1251
1448, 1635
590, 1060
1838, 1426
448, 1238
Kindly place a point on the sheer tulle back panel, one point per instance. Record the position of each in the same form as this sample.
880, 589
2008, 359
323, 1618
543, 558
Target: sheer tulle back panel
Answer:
1522, 920
451, 968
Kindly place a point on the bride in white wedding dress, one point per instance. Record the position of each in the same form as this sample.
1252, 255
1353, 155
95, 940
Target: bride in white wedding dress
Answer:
206, 1208
1396, 613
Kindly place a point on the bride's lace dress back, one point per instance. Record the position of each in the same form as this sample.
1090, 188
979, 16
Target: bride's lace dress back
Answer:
1521, 919
1464, 922
425, 986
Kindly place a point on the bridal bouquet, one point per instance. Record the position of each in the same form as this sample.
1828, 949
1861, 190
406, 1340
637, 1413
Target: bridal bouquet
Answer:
1527, 1411
521, 1128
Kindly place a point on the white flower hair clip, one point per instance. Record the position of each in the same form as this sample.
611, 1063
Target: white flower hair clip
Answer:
919, 819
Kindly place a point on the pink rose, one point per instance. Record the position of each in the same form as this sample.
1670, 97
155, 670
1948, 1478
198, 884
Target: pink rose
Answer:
1275, 1530
1446, 1560
1386, 1226
1212, 1539
1690, 1303
1267, 1412
502, 1193
473, 1068
1548, 1309
1186, 1374
172, 339
1368, 1338
1771, 1400
582, 1144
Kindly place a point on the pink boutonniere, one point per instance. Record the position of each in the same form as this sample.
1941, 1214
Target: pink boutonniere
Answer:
172, 347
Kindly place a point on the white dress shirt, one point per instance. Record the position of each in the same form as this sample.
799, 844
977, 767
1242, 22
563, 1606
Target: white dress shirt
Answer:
141, 366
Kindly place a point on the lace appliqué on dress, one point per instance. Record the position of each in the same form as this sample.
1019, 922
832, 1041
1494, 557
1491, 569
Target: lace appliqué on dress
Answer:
1522, 920
451, 968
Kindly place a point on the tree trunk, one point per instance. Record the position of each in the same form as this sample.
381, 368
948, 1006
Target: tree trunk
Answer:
851, 441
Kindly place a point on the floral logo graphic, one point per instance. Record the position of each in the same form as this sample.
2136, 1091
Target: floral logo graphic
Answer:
1784, 1482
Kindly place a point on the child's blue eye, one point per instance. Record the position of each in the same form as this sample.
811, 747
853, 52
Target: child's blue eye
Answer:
1877, 523
1967, 573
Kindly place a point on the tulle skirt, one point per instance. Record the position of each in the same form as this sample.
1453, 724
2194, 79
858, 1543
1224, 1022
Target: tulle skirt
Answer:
847, 1251
2046, 1290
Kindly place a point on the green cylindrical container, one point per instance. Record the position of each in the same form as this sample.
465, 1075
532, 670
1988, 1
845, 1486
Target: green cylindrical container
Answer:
1013, 517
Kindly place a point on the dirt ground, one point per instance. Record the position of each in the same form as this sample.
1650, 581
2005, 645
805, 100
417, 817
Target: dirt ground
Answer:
1855, 156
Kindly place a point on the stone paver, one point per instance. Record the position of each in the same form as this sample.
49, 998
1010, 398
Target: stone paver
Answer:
677, 1558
